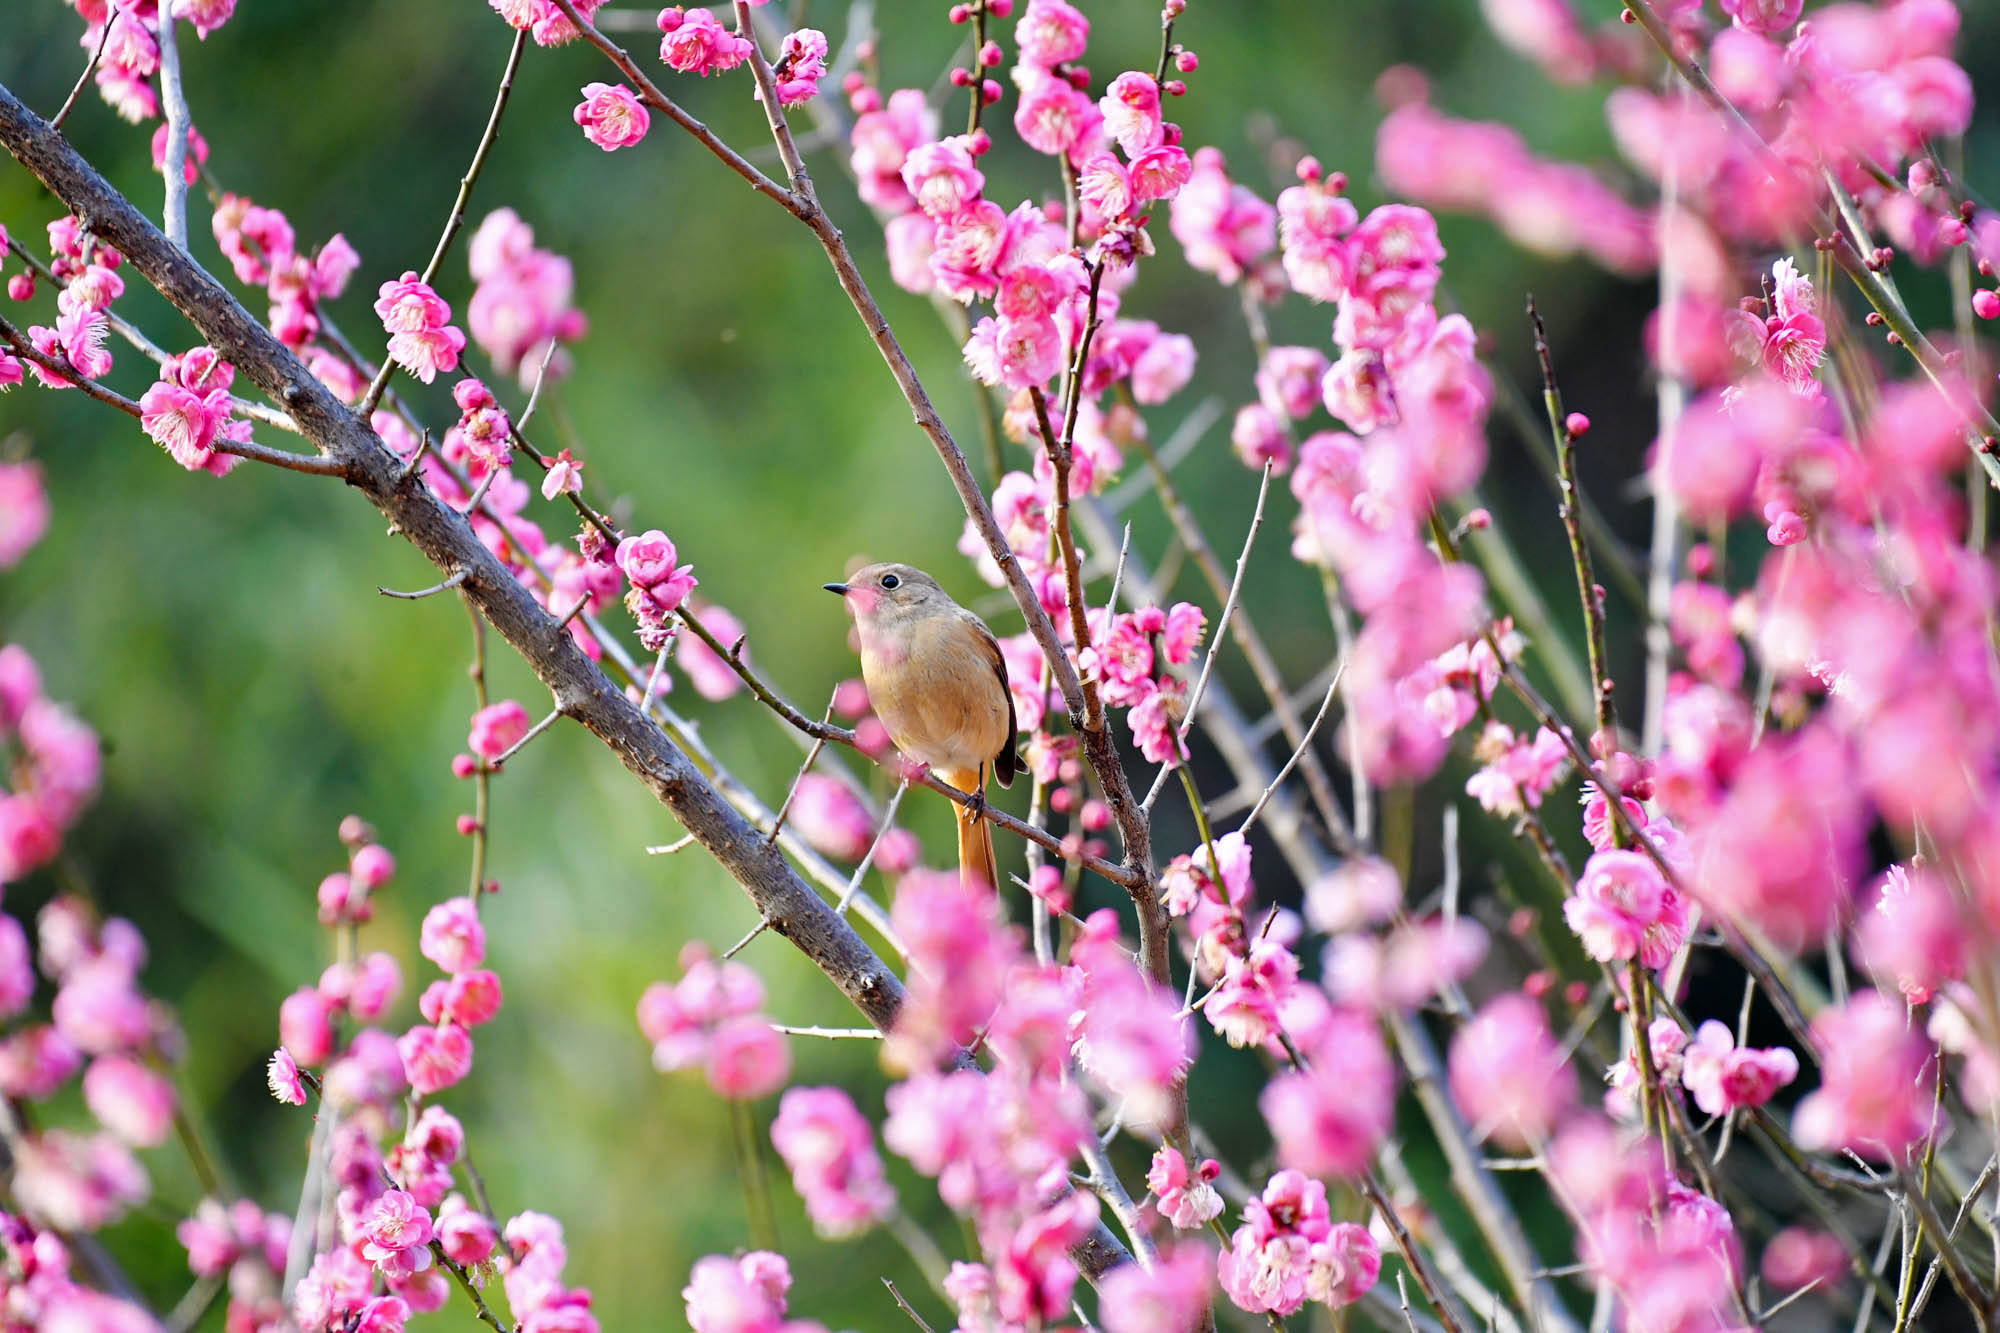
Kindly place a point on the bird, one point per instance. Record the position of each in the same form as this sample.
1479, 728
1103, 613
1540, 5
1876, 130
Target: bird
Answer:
937, 681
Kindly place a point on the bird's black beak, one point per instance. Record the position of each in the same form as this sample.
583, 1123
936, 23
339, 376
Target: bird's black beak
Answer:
840, 588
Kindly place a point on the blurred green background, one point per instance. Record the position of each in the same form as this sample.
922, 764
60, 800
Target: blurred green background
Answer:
252, 688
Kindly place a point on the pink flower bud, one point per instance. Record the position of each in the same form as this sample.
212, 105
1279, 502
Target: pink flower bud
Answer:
372, 866
1577, 424
1187, 62
463, 765
21, 287
452, 936
305, 1026
467, 826
497, 728
1986, 303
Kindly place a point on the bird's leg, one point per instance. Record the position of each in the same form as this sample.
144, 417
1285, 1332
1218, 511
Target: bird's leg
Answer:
976, 806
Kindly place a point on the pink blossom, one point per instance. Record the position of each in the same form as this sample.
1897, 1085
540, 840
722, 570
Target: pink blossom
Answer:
830, 1149
1184, 1196
206, 16
17, 972
497, 728
1667, 1043
1258, 436
435, 1058
452, 936
36, 1061
1131, 110
801, 64
611, 116
1159, 173
1875, 1090
1104, 184
464, 1231
130, 1100
695, 42
745, 1295
396, 1234
1172, 1298
99, 1006
1360, 891
1288, 380
183, 422
1800, 1257
1244, 1005
1312, 224
1726, 1077
1155, 722
747, 1059
409, 305
29, 836
1050, 32
1624, 909
1163, 369
648, 562
1330, 1118
712, 678
831, 818
1269, 1259
338, 1285
1507, 1072
1915, 936
75, 1182
1223, 227
521, 306
281, 1074
429, 353
1763, 16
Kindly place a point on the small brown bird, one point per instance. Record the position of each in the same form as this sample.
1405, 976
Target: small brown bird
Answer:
936, 679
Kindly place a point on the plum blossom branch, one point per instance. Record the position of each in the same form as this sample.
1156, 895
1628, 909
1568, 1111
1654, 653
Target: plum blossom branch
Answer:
82, 80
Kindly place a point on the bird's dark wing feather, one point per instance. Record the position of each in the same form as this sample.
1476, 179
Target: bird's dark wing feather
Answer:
1005, 764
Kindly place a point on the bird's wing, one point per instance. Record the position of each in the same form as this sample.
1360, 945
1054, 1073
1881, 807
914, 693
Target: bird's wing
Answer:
1005, 764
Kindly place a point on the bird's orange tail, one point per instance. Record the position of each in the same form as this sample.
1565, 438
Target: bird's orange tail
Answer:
976, 862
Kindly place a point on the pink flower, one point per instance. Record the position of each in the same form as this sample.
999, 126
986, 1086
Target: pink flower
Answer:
305, 1026
1172, 1298
497, 728
1269, 1259
648, 561
747, 1059
522, 303
801, 64
1258, 436
1223, 227
396, 1234
1159, 173
409, 305
1244, 1005
1184, 1197
1050, 32
1054, 117
206, 16
1155, 722
744, 1295
1914, 936
1799, 1257
1288, 380
830, 1149
452, 936
1507, 1072
17, 971
1330, 1118
130, 1100
942, 176
29, 837
1763, 16
831, 818
1313, 223
1104, 184
1623, 909
183, 422
464, 1231
435, 1058
429, 353
1131, 111
1725, 1077
197, 147
611, 116
1875, 1092
1163, 369
697, 43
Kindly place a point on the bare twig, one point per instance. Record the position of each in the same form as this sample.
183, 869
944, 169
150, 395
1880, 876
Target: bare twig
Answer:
83, 79
1332, 688
456, 579
493, 765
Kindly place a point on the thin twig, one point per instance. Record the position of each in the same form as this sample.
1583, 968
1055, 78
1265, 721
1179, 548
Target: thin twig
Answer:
457, 578
1215, 635
668, 849
904, 1306
868, 857
456, 219
493, 765
83, 79
792, 792
1332, 688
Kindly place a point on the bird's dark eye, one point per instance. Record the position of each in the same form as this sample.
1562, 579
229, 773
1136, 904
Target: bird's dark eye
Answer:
891, 581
